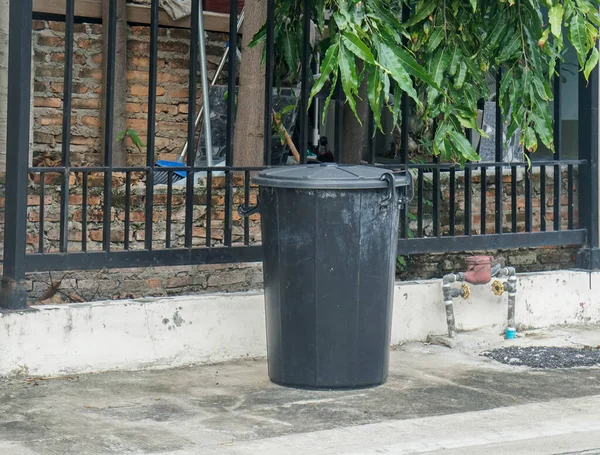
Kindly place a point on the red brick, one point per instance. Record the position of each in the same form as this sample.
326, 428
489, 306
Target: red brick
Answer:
33, 239
91, 121
198, 232
178, 282
75, 199
96, 235
34, 199
137, 76
86, 103
154, 283
51, 41
132, 108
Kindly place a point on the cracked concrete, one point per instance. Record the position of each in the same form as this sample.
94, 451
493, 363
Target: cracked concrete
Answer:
233, 408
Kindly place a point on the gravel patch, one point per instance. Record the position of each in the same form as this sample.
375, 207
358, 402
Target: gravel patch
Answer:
546, 357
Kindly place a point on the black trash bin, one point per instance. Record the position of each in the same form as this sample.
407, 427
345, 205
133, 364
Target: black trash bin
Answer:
330, 239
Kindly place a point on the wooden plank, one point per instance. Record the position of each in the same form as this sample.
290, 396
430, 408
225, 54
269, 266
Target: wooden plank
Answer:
214, 22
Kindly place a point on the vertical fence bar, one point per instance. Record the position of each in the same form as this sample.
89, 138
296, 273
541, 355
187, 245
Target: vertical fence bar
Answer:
228, 214
304, 92
420, 203
66, 125
498, 216
404, 224
209, 208
127, 220
84, 210
468, 192
557, 146
151, 140
513, 197
570, 198
12, 293
269, 67
169, 210
542, 198
338, 122
452, 196
589, 257
483, 207
108, 123
42, 210
528, 199
246, 204
193, 81
436, 196
370, 137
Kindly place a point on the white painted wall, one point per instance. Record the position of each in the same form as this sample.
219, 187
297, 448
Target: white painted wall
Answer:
171, 332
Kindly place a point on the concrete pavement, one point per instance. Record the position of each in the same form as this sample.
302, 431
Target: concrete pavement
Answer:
437, 400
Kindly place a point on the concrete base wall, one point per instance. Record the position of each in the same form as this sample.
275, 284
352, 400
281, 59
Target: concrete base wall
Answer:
169, 332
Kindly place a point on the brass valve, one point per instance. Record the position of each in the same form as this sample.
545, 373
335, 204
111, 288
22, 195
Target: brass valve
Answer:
465, 291
497, 287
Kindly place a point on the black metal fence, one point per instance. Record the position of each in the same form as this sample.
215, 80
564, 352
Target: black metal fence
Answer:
481, 206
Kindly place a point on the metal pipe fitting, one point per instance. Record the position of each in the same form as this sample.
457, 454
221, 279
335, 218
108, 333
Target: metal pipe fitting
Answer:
449, 295
511, 287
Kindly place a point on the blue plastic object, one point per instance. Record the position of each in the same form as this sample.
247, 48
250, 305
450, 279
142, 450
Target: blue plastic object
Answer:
164, 163
511, 333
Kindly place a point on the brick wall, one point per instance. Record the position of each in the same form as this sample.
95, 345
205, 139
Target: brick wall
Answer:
172, 91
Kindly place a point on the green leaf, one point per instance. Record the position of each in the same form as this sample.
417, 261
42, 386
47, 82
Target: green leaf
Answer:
374, 86
393, 65
424, 10
350, 82
455, 61
435, 39
462, 74
463, 146
413, 67
121, 136
135, 139
474, 5
260, 37
329, 63
397, 104
530, 140
289, 52
555, 15
286, 110
357, 47
328, 99
437, 69
577, 36
543, 128
591, 63
498, 31
511, 50
540, 88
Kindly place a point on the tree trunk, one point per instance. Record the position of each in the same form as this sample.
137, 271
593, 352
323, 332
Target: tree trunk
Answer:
249, 125
120, 82
354, 134
3, 79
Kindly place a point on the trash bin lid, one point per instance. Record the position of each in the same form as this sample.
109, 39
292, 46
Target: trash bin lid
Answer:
327, 176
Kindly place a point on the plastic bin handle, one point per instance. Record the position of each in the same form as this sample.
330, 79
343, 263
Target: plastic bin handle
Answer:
246, 211
390, 177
